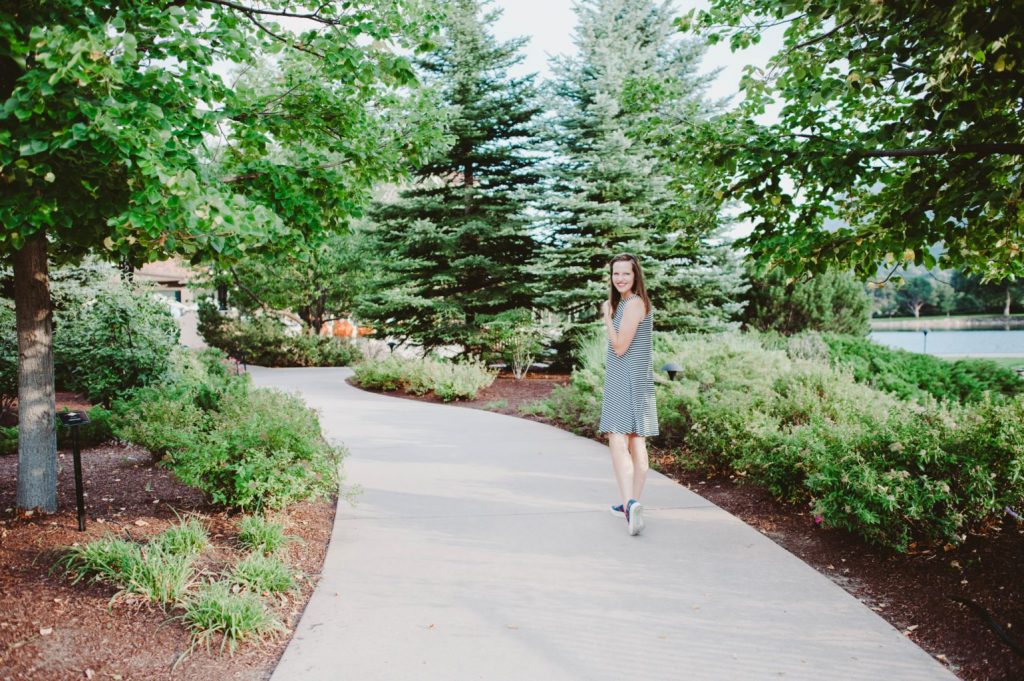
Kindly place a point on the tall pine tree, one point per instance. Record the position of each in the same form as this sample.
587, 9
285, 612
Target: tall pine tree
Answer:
455, 248
610, 191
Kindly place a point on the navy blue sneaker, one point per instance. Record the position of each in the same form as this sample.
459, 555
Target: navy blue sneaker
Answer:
618, 511
635, 517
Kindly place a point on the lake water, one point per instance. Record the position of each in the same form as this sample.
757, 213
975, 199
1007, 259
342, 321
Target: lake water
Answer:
973, 343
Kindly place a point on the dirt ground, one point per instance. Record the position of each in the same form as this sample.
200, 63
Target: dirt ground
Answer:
50, 629
914, 592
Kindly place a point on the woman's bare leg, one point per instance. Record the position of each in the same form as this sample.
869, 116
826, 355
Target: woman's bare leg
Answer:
637, 447
622, 463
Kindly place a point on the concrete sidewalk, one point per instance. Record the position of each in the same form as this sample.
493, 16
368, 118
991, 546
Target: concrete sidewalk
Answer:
482, 548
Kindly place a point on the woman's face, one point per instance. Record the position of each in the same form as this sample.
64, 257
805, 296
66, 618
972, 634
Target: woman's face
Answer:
622, 277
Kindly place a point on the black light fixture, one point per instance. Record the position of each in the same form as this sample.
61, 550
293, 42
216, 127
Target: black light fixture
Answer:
671, 368
392, 344
74, 420
925, 351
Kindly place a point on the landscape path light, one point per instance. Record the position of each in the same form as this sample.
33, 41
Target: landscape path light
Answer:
74, 420
671, 368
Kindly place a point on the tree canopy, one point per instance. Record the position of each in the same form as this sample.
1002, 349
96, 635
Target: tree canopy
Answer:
632, 83
901, 126
455, 248
120, 134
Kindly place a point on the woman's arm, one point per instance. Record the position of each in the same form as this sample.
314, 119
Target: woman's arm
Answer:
631, 318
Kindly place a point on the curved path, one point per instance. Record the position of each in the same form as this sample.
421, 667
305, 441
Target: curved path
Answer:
481, 548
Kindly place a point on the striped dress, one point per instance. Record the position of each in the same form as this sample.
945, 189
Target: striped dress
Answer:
628, 404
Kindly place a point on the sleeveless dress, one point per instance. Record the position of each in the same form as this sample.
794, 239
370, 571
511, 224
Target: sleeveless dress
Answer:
628, 405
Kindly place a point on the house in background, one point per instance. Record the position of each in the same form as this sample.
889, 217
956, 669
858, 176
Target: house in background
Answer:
170, 279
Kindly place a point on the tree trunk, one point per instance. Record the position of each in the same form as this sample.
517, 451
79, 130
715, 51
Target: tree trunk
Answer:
37, 409
1009, 299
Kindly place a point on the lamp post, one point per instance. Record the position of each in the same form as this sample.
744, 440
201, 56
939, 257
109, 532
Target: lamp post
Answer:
74, 420
392, 344
926, 341
671, 368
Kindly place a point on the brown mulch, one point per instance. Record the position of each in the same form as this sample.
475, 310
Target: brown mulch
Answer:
50, 629
913, 591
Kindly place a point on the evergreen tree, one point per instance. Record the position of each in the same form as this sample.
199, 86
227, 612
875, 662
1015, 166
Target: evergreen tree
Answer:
610, 190
454, 249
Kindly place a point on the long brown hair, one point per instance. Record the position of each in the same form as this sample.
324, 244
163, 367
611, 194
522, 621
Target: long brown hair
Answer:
638, 282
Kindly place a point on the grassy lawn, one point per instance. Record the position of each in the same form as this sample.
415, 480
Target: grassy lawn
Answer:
1006, 362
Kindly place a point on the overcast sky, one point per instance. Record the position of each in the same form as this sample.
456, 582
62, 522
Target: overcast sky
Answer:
549, 25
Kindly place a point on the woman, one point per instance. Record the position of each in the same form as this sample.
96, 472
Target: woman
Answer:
628, 412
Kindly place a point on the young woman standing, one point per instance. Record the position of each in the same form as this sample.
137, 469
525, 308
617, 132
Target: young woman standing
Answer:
628, 412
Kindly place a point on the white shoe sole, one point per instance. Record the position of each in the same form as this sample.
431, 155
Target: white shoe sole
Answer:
617, 514
636, 519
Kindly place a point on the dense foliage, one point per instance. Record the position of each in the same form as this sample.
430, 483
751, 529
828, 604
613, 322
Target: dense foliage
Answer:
829, 302
247, 448
455, 246
120, 339
900, 126
122, 137
264, 341
863, 460
912, 376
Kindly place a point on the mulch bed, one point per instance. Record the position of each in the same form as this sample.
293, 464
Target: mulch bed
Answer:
50, 629
913, 591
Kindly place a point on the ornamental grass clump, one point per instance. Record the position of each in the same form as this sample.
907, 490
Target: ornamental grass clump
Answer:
261, 535
222, 610
263, 574
149, 571
188, 537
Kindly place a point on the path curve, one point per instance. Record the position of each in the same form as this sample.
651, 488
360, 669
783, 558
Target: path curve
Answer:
481, 548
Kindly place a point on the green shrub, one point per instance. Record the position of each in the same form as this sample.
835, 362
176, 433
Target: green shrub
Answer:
261, 574
911, 376
264, 341
234, 616
449, 380
261, 535
120, 340
163, 420
246, 448
459, 381
773, 412
392, 373
8, 358
264, 450
8, 440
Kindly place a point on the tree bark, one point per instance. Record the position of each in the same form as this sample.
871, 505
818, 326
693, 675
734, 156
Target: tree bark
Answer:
37, 409
1009, 300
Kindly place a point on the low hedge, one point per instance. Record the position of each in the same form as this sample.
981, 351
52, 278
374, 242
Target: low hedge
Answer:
448, 380
244, 447
911, 376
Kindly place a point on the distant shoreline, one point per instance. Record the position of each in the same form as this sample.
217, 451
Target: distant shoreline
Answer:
948, 323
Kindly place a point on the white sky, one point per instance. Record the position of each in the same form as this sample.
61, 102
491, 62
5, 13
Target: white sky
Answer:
549, 25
